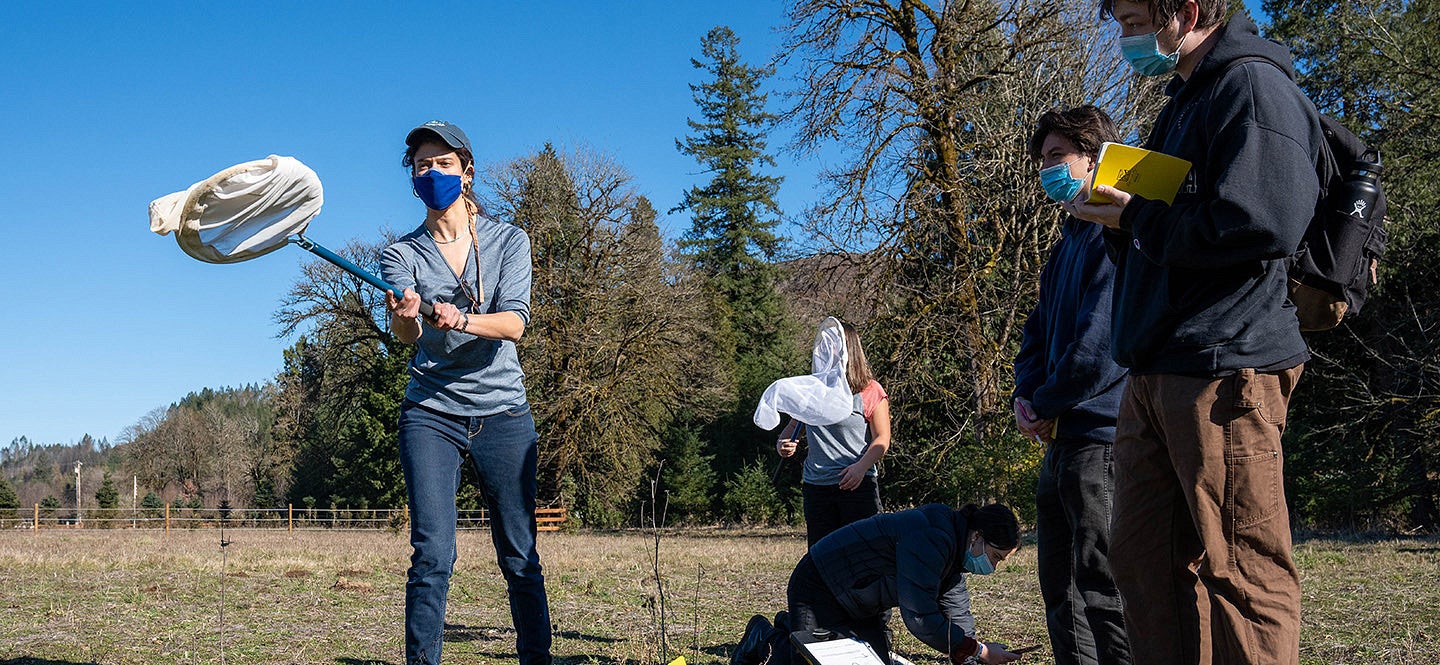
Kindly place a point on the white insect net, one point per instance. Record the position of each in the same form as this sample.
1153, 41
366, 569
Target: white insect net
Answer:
822, 397
242, 212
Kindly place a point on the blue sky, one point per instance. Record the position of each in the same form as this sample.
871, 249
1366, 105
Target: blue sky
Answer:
107, 106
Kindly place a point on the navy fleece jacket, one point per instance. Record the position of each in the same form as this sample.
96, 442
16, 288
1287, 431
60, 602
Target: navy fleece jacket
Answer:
912, 560
1064, 366
1200, 286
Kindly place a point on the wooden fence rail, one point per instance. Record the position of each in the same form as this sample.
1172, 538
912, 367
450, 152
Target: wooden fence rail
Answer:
290, 518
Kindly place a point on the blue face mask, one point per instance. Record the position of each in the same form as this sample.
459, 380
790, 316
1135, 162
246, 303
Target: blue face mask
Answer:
1143, 53
980, 565
438, 190
1059, 185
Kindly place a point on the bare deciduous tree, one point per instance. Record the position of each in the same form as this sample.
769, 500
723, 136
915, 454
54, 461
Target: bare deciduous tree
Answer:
932, 105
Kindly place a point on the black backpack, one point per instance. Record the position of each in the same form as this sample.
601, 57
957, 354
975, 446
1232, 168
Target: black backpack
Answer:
1332, 272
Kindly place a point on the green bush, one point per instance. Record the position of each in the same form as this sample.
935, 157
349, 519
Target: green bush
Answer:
151, 505
751, 498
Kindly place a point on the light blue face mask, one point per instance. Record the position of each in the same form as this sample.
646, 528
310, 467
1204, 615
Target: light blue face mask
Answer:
1143, 53
1058, 184
980, 565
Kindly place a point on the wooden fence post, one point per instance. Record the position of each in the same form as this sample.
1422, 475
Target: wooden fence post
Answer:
37, 519
292, 518
167, 519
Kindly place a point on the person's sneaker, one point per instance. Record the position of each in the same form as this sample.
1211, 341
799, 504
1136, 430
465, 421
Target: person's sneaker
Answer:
897, 659
753, 648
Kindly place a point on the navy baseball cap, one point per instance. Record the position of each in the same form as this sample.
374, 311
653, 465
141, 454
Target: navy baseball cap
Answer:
446, 132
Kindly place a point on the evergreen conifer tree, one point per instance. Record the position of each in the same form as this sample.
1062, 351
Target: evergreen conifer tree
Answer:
9, 501
49, 508
750, 497
107, 497
339, 395
152, 505
687, 475
732, 239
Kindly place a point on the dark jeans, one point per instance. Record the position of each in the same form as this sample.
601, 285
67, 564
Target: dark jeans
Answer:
827, 507
813, 606
1201, 535
501, 447
1073, 503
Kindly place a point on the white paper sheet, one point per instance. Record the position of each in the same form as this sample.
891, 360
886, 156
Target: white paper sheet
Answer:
844, 651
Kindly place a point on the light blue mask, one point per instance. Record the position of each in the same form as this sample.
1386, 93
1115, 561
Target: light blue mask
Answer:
1143, 53
980, 565
1058, 184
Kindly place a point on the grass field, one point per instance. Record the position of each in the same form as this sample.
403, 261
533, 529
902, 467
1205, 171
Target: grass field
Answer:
338, 597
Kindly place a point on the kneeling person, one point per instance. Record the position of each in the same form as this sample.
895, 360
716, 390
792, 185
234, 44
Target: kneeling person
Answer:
914, 560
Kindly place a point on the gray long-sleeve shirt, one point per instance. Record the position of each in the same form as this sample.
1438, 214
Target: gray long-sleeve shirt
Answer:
459, 373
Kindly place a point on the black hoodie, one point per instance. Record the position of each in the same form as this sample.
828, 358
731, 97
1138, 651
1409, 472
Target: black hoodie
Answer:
1200, 286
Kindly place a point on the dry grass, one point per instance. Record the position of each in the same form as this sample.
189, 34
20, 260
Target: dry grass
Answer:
338, 597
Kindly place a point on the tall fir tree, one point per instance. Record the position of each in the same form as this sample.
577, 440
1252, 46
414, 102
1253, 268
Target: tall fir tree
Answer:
107, 500
732, 239
107, 497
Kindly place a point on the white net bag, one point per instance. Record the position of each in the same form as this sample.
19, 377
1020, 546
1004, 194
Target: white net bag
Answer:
242, 212
822, 397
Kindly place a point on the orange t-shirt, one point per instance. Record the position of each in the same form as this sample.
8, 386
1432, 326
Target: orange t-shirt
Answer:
870, 397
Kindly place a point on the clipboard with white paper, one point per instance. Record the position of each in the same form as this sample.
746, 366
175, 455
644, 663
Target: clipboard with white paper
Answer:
839, 651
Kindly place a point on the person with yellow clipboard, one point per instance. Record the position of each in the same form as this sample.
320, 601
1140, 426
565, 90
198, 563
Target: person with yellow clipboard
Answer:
1200, 543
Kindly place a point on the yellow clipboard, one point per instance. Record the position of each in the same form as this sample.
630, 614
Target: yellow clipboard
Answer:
1153, 175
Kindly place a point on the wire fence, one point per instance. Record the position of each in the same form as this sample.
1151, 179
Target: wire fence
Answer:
289, 518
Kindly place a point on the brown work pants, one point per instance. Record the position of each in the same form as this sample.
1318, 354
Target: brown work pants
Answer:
1200, 539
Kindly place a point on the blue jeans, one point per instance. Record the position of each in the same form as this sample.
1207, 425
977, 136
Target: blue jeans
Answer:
1073, 506
501, 447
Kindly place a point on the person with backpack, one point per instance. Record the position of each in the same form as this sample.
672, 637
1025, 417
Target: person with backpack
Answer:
1200, 539
1067, 394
